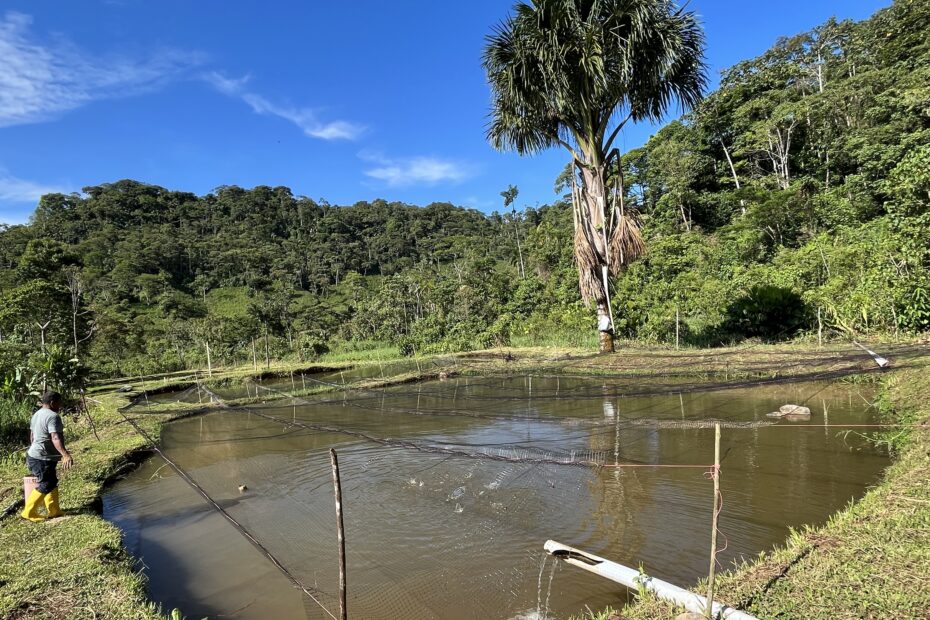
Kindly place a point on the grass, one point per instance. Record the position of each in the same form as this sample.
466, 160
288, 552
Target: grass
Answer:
74, 567
14, 423
856, 564
375, 351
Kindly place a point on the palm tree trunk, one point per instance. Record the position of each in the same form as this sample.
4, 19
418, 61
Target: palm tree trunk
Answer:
605, 331
592, 249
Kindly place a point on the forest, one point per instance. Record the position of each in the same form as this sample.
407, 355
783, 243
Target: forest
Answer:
792, 202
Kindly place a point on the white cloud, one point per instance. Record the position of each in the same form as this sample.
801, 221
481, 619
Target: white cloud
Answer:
13, 189
475, 202
38, 82
416, 170
304, 118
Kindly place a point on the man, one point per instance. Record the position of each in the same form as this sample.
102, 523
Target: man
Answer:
48, 447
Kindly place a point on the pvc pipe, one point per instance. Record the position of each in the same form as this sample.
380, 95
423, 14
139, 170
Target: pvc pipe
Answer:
634, 579
881, 361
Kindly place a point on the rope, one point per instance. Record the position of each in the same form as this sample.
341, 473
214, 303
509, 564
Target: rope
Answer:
711, 474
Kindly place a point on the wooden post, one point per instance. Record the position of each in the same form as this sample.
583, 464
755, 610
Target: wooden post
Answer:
209, 359
677, 328
713, 531
254, 357
340, 535
145, 394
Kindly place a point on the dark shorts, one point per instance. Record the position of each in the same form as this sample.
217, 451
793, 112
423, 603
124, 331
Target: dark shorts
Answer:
45, 471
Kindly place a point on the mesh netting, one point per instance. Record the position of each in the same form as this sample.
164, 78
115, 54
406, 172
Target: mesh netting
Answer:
451, 487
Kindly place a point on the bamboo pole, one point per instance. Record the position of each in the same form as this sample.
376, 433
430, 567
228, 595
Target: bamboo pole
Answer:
713, 531
340, 535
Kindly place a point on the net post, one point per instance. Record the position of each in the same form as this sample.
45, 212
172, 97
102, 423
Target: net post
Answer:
145, 392
709, 612
340, 535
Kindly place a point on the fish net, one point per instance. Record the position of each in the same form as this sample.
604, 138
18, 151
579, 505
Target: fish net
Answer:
451, 487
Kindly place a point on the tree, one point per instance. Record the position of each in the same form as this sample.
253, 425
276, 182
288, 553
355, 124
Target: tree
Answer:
510, 195
77, 287
572, 73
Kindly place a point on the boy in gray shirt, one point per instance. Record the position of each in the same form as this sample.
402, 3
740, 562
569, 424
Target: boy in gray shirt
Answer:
47, 448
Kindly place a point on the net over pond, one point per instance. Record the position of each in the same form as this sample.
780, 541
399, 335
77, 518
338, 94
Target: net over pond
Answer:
450, 489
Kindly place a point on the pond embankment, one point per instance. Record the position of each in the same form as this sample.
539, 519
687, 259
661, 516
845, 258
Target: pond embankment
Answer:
869, 561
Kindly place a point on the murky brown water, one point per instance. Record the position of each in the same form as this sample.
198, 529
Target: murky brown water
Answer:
431, 535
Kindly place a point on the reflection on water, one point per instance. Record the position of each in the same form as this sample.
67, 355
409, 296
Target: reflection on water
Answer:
431, 535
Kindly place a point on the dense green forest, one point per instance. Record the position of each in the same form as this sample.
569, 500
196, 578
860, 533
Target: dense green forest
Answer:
793, 199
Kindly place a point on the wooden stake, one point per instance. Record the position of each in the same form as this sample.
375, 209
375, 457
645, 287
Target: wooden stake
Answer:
145, 394
713, 531
677, 328
340, 535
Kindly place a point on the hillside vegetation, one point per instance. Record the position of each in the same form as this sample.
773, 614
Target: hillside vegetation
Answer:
793, 200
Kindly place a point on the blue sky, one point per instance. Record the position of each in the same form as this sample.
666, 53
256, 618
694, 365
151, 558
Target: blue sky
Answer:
342, 101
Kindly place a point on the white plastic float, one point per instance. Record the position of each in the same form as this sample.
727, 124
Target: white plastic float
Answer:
634, 579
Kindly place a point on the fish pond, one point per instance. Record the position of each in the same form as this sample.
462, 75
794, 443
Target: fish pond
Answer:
451, 488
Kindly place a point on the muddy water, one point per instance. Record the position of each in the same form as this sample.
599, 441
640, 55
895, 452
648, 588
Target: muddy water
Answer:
436, 535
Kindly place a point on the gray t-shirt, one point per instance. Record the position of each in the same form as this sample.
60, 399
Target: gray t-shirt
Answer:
44, 423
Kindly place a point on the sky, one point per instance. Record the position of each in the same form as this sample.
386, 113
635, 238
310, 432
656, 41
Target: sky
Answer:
342, 101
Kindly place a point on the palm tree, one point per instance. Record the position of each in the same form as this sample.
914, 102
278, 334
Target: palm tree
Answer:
572, 73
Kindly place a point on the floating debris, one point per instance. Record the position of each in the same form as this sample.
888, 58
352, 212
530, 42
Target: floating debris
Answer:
791, 412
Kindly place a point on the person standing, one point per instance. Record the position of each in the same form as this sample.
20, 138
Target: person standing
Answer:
46, 435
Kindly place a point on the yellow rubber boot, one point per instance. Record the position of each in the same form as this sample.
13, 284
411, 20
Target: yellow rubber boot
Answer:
51, 504
31, 511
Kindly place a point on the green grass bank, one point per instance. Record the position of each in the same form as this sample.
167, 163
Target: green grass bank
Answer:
867, 562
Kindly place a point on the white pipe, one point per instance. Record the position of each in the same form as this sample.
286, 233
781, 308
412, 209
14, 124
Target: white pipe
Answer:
881, 361
634, 579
